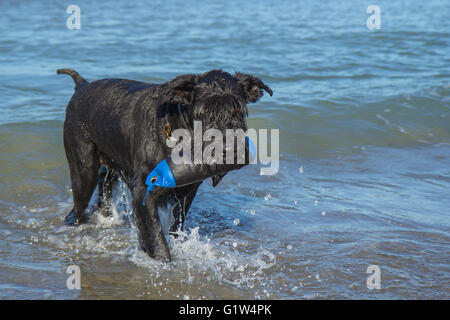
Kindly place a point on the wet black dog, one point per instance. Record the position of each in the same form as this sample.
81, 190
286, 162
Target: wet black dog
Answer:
116, 127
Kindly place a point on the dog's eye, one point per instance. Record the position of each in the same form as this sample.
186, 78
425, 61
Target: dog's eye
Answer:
153, 180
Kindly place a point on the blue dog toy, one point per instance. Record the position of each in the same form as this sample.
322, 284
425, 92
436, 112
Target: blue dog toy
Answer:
168, 175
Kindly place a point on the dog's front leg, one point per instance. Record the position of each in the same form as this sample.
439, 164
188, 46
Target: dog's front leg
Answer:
151, 235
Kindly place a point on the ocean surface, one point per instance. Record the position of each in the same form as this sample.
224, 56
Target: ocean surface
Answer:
364, 178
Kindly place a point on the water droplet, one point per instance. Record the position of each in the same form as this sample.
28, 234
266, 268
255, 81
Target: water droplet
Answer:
252, 211
324, 213
234, 244
300, 170
289, 247
267, 197
316, 202
236, 221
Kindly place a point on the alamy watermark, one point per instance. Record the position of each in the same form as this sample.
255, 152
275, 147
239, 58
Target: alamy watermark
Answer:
74, 20
374, 280
74, 280
374, 21
215, 152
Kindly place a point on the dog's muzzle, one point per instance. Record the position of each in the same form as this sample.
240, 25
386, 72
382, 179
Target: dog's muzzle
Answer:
170, 175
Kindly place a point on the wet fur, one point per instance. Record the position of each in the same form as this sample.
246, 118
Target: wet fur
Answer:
113, 128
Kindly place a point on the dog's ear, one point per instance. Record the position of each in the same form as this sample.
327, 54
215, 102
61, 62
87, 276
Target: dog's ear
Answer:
253, 86
181, 89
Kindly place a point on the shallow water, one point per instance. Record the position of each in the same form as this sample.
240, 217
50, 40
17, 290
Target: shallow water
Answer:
364, 140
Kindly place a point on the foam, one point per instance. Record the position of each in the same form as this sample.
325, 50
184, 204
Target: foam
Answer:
223, 260
195, 258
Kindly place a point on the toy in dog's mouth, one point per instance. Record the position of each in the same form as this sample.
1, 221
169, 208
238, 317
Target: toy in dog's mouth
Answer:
170, 175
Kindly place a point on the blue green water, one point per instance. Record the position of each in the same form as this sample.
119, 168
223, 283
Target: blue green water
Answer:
364, 120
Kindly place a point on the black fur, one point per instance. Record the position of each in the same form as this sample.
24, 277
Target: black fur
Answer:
113, 128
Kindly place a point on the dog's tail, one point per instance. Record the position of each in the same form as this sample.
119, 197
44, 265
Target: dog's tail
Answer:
79, 80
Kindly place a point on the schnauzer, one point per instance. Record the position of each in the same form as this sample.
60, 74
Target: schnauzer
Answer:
119, 128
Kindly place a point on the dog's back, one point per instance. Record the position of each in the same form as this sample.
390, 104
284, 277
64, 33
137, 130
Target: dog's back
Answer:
102, 111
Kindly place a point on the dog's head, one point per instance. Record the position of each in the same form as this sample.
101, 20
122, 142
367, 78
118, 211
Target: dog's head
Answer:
219, 101
217, 98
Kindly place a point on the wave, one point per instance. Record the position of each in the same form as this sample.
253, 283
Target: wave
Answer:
321, 127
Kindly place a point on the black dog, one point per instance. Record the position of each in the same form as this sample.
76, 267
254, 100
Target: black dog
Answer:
117, 127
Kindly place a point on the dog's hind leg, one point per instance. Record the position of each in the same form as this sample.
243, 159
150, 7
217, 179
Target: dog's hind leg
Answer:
83, 162
107, 179
100, 182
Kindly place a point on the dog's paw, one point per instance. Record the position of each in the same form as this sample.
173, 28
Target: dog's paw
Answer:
72, 220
